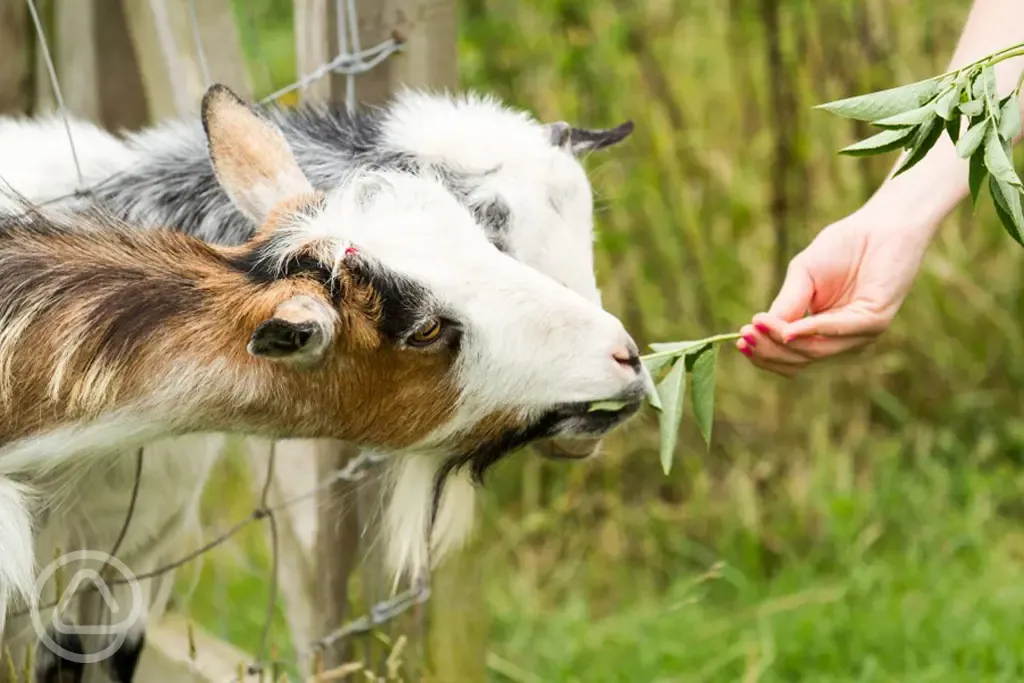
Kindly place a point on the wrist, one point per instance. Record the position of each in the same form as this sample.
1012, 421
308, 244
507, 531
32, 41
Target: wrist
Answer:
919, 200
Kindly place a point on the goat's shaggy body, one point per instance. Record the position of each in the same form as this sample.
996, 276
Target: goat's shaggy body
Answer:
116, 382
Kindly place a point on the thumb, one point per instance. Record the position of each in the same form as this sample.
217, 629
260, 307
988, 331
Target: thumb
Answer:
842, 322
794, 297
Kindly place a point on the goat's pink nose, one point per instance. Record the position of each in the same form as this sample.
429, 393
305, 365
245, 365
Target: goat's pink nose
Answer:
628, 357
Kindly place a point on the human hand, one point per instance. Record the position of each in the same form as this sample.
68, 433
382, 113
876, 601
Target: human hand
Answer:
850, 281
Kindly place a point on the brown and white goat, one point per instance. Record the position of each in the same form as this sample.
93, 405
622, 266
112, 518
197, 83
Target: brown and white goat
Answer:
377, 313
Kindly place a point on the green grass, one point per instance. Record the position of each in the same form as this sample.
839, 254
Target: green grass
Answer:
861, 523
915, 580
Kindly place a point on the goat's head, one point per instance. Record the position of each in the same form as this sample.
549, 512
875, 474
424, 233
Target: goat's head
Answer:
524, 182
523, 179
411, 328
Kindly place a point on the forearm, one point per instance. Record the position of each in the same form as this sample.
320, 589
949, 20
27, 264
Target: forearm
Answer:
929, 191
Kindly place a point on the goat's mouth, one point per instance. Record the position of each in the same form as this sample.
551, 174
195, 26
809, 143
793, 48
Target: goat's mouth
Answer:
574, 421
587, 420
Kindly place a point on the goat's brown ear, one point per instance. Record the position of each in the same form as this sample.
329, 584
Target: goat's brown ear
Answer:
579, 140
250, 155
300, 330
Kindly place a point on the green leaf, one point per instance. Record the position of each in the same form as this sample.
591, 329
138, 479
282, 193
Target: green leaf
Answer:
1009, 118
925, 139
977, 176
946, 105
997, 160
886, 141
953, 129
676, 347
702, 391
1007, 200
914, 117
878, 105
606, 405
984, 86
972, 108
972, 139
656, 363
673, 398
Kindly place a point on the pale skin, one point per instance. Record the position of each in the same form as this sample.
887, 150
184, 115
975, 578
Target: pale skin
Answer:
844, 289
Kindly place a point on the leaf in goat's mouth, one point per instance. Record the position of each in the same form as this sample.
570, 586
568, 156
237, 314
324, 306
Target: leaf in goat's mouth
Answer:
611, 406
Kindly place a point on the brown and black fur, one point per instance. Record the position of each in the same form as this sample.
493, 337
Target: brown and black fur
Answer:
116, 309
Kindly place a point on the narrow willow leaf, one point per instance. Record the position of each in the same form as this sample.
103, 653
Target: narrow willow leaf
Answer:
652, 394
656, 363
953, 129
977, 175
673, 398
971, 140
972, 108
988, 75
611, 406
676, 347
925, 139
1007, 200
997, 161
886, 141
878, 105
946, 105
914, 117
1009, 118
702, 391
984, 86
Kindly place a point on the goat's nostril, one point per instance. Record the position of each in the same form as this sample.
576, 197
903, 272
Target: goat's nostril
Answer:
628, 357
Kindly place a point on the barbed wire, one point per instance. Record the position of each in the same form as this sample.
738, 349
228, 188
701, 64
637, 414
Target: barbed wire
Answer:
350, 61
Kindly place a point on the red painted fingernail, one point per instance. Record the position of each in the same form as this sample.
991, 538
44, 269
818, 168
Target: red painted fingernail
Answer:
762, 328
749, 338
747, 352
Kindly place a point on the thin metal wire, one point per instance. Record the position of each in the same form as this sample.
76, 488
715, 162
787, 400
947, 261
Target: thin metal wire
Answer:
345, 64
56, 86
353, 27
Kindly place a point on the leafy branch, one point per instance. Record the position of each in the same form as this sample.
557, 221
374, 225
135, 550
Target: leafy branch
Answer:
676, 367
913, 117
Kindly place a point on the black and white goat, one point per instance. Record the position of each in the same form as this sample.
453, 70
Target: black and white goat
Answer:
375, 312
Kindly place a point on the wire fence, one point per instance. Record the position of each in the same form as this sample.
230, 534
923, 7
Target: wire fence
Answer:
350, 61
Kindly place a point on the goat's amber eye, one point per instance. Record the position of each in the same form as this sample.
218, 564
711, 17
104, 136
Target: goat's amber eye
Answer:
426, 334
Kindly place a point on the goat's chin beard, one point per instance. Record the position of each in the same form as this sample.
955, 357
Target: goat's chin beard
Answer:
565, 433
569, 447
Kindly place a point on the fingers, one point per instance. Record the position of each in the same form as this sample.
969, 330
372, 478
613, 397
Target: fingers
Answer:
794, 298
764, 343
844, 322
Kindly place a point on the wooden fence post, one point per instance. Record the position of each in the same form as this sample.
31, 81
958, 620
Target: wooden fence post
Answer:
337, 525
428, 30
95, 63
15, 59
171, 62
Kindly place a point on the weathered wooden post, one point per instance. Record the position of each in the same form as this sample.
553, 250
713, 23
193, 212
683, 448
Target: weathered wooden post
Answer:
427, 29
15, 59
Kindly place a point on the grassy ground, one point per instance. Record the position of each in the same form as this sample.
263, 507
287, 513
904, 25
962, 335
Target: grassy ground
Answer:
857, 524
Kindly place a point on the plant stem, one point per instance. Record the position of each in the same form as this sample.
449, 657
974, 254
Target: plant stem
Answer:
994, 58
710, 340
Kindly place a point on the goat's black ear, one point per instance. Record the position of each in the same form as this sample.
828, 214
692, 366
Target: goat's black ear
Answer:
299, 330
276, 338
580, 140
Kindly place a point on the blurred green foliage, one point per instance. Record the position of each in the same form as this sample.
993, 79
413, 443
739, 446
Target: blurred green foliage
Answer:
859, 523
